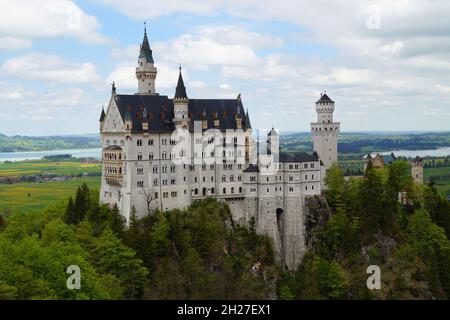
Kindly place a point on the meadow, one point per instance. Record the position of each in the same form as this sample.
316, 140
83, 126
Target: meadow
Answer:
20, 168
35, 196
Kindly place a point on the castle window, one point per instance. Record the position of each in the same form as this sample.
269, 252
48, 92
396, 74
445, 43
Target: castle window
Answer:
195, 179
212, 179
150, 142
155, 182
172, 169
240, 189
239, 178
139, 157
312, 177
305, 166
312, 187
306, 187
268, 190
212, 190
224, 191
140, 184
140, 171
312, 165
139, 142
211, 166
156, 195
291, 189
224, 178
173, 194
155, 169
150, 156
164, 182
231, 178
196, 191
291, 178
172, 181
252, 178
165, 194
232, 190
306, 177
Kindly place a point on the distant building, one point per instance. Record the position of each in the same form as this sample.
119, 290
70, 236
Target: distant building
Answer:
379, 161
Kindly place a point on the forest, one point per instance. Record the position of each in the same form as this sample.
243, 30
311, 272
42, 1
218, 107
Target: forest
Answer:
381, 219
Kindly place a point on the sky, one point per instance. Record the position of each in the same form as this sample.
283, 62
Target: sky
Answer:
385, 63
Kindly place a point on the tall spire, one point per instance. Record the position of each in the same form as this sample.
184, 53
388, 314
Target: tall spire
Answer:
247, 121
146, 52
180, 91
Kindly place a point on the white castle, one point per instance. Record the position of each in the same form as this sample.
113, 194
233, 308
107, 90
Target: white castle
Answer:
162, 153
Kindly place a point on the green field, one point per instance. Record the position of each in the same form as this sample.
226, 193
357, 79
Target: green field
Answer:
21, 168
28, 196
443, 185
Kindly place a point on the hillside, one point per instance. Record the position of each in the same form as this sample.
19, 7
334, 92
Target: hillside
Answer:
360, 143
26, 143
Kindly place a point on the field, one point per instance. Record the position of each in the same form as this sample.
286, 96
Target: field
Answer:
47, 167
443, 183
28, 196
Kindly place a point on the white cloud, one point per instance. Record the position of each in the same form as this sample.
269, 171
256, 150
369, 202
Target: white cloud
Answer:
48, 18
13, 43
124, 77
49, 68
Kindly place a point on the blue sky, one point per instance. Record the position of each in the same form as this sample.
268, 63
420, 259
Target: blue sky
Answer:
385, 63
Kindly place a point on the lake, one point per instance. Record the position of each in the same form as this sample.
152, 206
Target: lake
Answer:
96, 153
34, 155
441, 152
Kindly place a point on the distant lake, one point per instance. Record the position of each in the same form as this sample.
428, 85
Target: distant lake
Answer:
441, 152
35, 155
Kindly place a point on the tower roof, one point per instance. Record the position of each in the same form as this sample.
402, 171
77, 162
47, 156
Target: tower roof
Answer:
102, 115
146, 52
247, 121
324, 98
180, 91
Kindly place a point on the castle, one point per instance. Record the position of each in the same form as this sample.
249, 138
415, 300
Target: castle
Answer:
379, 161
162, 153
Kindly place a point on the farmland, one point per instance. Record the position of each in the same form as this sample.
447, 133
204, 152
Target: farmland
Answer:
31, 196
20, 168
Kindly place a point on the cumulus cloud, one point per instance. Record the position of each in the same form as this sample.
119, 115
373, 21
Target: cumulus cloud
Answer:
13, 43
29, 19
49, 68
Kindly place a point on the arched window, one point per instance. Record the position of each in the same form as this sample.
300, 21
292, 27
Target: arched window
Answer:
224, 178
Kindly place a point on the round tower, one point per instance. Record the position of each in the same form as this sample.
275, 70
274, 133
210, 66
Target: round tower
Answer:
145, 70
325, 131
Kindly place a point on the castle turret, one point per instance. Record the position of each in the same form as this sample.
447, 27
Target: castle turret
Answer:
417, 169
325, 131
145, 70
180, 104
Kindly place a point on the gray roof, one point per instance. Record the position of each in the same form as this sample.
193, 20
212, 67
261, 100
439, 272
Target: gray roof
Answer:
180, 91
297, 157
146, 52
324, 98
252, 168
160, 112
114, 147
102, 115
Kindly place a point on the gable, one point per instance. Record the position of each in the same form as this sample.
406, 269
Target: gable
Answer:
113, 120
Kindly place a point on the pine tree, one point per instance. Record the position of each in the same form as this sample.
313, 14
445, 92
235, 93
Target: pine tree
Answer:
69, 216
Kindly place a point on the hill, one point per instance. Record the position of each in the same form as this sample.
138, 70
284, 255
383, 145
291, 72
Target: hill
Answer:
27, 143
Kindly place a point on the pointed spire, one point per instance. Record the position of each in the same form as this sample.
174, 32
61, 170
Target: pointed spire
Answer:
180, 91
102, 115
247, 121
146, 52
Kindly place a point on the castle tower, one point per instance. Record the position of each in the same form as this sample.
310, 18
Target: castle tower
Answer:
417, 170
325, 131
180, 104
145, 70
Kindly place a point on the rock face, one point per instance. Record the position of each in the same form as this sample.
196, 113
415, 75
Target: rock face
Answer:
317, 213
